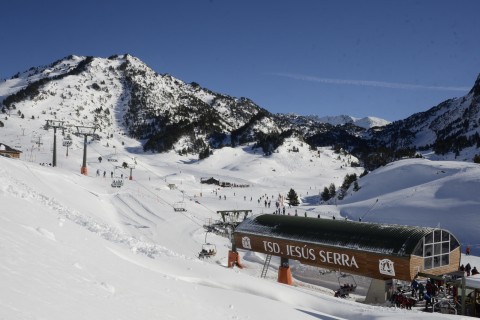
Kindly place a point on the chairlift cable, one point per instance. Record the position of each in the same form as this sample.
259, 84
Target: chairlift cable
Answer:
373, 205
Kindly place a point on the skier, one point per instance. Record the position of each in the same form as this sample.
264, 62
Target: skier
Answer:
421, 289
414, 286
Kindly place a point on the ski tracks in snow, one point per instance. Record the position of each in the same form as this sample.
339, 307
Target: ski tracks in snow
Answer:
138, 210
19, 189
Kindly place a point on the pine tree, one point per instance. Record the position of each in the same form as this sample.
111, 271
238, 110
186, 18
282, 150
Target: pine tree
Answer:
332, 190
348, 180
356, 187
292, 198
205, 153
476, 159
325, 194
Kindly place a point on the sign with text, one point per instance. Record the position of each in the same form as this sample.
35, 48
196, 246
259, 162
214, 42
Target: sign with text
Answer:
369, 264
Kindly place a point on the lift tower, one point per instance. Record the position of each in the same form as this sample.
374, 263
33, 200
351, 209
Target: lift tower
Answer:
55, 124
85, 131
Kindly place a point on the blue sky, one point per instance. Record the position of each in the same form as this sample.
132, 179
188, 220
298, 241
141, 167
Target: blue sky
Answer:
387, 59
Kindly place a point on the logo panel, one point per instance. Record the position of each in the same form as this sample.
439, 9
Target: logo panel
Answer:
385, 266
246, 243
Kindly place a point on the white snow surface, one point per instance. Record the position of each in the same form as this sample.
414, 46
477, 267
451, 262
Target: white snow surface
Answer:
73, 247
366, 122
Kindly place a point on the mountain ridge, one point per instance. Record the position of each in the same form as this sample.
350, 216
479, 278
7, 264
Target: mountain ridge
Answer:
122, 95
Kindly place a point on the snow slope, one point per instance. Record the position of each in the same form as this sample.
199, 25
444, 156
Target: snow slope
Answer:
423, 193
73, 247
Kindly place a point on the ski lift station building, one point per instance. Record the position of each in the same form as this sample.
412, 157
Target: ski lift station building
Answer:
377, 251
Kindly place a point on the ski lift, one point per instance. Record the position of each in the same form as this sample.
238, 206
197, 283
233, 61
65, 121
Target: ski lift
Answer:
179, 206
117, 183
67, 141
347, 285
208, 250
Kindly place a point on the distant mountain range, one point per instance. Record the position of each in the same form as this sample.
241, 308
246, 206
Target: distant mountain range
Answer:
122, 95
366, 123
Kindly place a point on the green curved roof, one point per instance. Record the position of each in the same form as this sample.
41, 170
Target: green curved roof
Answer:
389, 239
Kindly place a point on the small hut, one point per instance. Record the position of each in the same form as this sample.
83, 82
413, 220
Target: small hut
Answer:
9, 152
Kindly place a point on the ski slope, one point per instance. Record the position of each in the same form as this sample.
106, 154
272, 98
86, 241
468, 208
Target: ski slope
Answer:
73, 247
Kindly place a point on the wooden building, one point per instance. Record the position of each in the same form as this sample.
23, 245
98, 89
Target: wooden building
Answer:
9, 152
374, 250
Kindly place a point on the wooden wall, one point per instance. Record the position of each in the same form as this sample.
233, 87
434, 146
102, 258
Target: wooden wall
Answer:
417, 265
348, 260
9, 154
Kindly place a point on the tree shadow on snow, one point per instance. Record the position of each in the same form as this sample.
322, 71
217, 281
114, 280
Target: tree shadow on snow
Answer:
310, 200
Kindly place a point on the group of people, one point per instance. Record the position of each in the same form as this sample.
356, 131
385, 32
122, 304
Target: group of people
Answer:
430, 289
468, 269
105, 173
427, 291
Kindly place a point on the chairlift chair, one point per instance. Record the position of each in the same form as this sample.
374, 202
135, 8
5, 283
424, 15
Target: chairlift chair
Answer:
347, 285
208, 250
67, 141
179, 206
117, 183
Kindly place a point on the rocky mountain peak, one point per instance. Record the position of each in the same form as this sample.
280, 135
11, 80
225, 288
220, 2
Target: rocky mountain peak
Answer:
475, 91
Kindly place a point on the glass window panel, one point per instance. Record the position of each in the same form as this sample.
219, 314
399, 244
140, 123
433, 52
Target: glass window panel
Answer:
445, 236
428, 250
453, 244
427, 264
429, 238
445, 247
418, 250
437, 248
445, 259
438, 235
436, 261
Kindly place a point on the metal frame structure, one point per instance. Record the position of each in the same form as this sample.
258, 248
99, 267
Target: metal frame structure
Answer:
55, 124
85, 131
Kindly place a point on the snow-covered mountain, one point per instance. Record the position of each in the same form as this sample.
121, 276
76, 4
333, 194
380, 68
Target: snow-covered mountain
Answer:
164, 112
449, 127
74, 247
366, 122
121, 95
